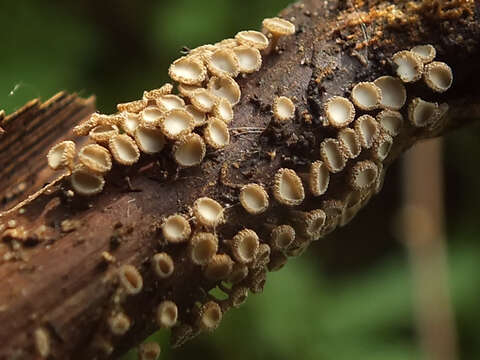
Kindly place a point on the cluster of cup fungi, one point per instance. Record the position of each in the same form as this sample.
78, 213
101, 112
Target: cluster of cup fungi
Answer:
199, 117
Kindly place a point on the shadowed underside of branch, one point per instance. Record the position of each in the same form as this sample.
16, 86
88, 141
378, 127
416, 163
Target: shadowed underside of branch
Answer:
61, 253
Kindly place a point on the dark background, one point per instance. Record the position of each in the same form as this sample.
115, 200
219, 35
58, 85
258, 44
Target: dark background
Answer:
350, 296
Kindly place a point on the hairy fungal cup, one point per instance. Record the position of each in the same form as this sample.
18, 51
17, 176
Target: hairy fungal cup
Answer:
130, 279
366, 96
332, 155
61, 156
394, 94
203, 246
85, 182
254, 198
219, 267
367, 129
176, 229
409, 66
216, 133
149, 351
288, 188
438, 76
225, 87
364, 174
339, 111
208, 212
95, 158
188, 70
319, 178
245, 246
422, 113
425, 52
283, 109
149, 141
252, 39
124, 149
282, 237
189, 150
163, 265
167, 314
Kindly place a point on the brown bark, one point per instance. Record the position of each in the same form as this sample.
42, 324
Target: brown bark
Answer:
53, 272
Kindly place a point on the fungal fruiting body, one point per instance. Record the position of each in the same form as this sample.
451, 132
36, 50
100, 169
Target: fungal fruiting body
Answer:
209, 317
366, 95
61, 155
283, 109
176, 229
203, 246
340, 111
167, 314
149, 351
254, 198
288, 187
163, 265
245, 246
130, 279
85, 182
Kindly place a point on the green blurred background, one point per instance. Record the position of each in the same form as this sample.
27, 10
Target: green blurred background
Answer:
350, 296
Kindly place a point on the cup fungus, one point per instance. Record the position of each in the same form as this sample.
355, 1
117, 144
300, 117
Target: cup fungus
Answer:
42, 342
149, 140
310, 224
124, 149
149, 351
251, 38
245, 246
209, 316
282, 237
283, 109
219, 267
223, 62
189, 150
249, 59
257, 281
263, 256
199, 117
187, 90
203, 246
422, 113
130, 122
226, 87
254, 199
367, 129
238, 296
216, 133
61, 155
425, 52
318, 178
223, 110
394, 94
438, 76
119, 323
103, 133
156, 93
176, 123
176, 229
163, 265
366, 96
390, 121
382, 146
288, 188
364, 173
203, 100
238, 273
133, 106
86, 182
340, 111
228, 43
188, 70
130, 279
409, 66
170, 102
350, 142
167, 314
151, 116
95, 158
332, 155
208, 212
277, 27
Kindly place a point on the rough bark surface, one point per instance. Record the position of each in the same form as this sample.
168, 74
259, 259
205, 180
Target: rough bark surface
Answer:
52, 270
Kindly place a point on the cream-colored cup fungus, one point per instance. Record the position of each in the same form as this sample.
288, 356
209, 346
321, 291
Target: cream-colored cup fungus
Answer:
310, 224
394, 94
119, 323
363, 175
409, 66
367, 129
249, 59
199, 117
163, 265
238, 273
438, 76
167, 314
245, 246
187, 90
96, 158
228, 43
61, 155
318, 178
283, 109
94, 120
151, 115
85, 182
350, 142
366, 96
130, 278
278, 27
223, 110
288, 187
203, 49
208, 212
149, 351
254, 198
226, 87
251, 38
223, 62
390, 121
124, 149
340, 111
425, 52
133, 106
170, 102
203, 100
42, 342
149, 140
103, 133
210, 316
382, 146
282, 237
165, 89
422, 113
130, 122
176, 123
176, 229
188, 70
189, 150
332, 155
277, 261
263, 256
238, 296
219, 267
216, 133
203, 246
